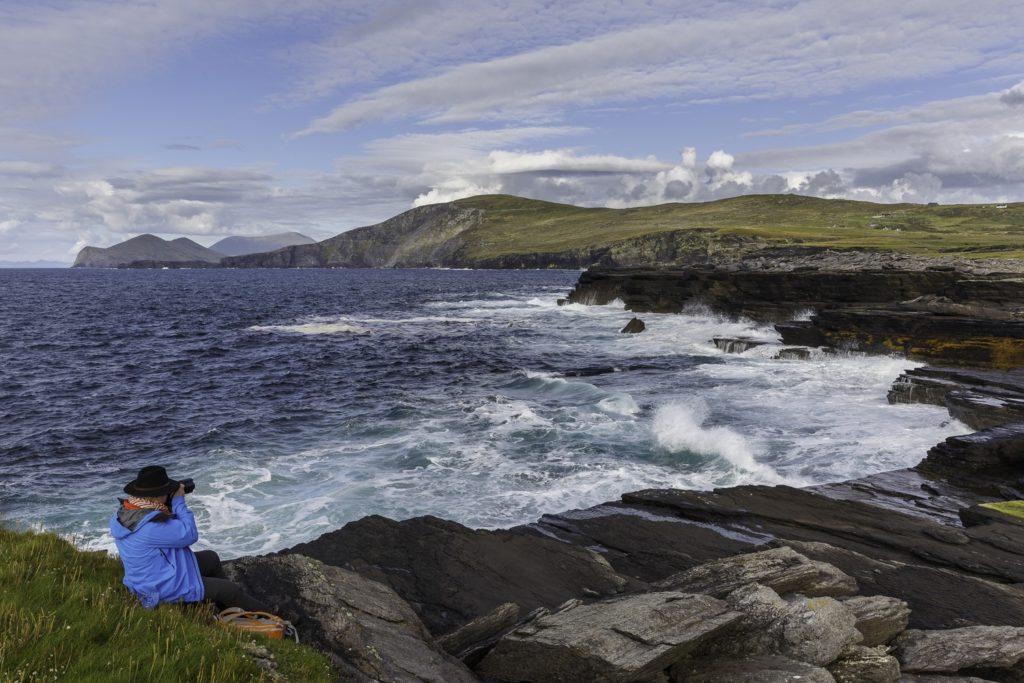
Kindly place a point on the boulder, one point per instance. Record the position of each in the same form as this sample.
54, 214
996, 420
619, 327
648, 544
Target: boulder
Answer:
816, 630
634, 326
631, 638
367, 630
953, 650
812, 630
879, 618
759, 669
451, 574
866, 665
782, 569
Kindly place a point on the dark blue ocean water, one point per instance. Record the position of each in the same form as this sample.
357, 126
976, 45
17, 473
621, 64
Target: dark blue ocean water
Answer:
302, 399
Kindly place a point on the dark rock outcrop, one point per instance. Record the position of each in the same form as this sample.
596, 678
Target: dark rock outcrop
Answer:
634, 326
451, 574
368, 631
736, 344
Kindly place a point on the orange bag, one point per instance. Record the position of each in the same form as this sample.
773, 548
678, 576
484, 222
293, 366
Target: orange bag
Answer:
263, 623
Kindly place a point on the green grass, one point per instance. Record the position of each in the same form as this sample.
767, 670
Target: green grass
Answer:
65, 616
513, 225
1014, 508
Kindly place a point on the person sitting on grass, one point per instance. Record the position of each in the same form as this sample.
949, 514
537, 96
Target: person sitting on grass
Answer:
153, 529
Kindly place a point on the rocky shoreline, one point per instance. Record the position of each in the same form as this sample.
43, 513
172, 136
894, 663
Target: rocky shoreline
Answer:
900, 576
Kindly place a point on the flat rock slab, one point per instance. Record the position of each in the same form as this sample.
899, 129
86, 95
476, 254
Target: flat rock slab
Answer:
622, 639
368, 631
762, 669
953, 650
451, 574
782, 569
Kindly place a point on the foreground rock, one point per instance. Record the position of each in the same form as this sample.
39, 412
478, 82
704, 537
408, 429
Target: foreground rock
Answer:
451, 574
369, 632
879, 618
996, 648
782, 569
948, 576
632, 638
759, 669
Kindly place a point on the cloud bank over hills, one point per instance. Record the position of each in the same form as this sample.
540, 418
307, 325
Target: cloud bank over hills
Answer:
203, 119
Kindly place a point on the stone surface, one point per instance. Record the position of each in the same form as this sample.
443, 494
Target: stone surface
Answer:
866, 665
634, 326
953, 650
630, 638
470, 641
451, 574
934, 678
759, 669
879, 617
812, 630
369, 633
884, 537
782, 569
816, 630
736, 344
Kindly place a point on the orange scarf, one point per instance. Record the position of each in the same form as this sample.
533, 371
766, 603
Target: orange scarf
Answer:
135, 503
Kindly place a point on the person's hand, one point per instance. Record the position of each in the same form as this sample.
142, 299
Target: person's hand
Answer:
180, 492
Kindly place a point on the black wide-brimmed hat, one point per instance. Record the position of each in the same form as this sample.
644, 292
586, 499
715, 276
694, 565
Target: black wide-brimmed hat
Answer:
151, 482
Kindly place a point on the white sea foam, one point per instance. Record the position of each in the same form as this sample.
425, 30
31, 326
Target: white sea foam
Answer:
312, 328
680, 427
503, 448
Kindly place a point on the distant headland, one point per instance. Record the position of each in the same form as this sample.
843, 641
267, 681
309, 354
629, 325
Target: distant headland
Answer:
500, 231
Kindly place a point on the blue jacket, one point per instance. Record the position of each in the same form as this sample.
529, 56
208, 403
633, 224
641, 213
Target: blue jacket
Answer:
159, 566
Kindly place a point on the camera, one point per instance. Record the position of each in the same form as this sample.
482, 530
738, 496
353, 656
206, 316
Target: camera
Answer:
189, 484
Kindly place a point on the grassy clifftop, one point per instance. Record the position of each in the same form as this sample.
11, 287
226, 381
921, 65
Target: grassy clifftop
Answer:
65, 616
499, 231
516, 225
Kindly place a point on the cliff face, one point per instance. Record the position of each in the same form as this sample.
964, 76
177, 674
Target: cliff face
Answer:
425, 237
936, 314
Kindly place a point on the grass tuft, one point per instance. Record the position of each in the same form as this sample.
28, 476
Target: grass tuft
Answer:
1014, 508
65, 615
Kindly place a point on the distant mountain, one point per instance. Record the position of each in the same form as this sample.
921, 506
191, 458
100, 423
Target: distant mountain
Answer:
34, 264
146, 248
239, 246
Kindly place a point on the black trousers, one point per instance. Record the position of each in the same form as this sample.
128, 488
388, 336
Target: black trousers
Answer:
222, 591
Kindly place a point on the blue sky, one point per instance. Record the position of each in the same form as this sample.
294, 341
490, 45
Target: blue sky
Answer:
202, 118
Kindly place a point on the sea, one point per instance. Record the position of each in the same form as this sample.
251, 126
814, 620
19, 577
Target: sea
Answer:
300, 400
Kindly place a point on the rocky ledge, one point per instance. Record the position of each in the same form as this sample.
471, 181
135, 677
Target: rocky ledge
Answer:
914, 575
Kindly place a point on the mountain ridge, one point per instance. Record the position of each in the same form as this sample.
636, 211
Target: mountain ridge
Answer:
501, 231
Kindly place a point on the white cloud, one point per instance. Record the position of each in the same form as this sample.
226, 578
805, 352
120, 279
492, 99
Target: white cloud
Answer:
8, 226
1014, 96
809, 49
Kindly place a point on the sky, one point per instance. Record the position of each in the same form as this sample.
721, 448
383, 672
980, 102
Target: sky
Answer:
207, 118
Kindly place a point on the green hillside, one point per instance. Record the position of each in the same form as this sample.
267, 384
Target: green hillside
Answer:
516, 225
499, 231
